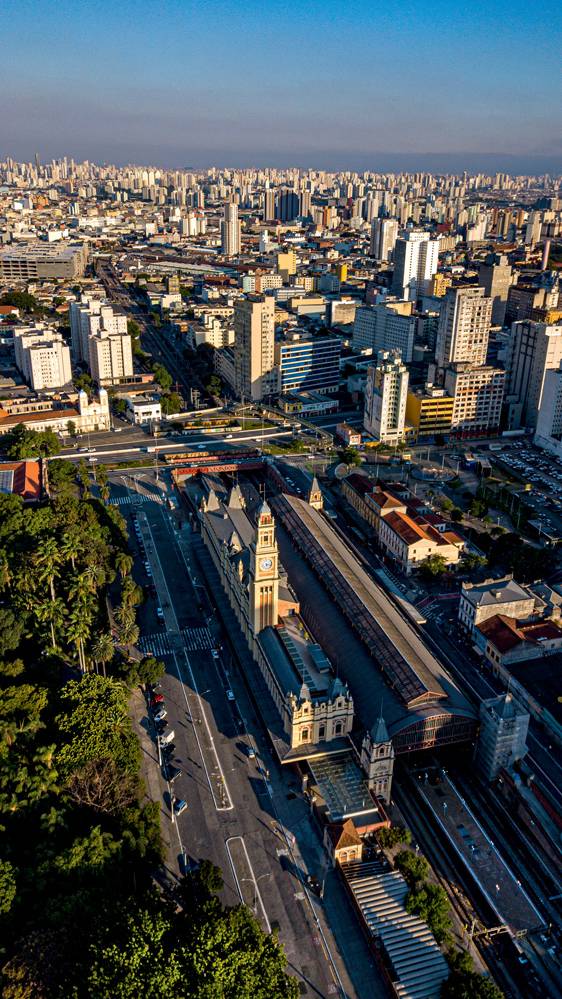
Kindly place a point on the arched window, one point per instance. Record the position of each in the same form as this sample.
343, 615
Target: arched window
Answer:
337, 728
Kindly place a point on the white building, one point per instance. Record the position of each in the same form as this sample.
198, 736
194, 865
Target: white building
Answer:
88, 317
230, 231
464, 327
384, 233
143, 410
385, 398
111, 357
549, 421
478, 394
416, 258
389, 326
43, 358
534, 349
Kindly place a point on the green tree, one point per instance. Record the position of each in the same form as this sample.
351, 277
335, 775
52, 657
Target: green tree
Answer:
478, 508
412, 866
8, 886
469, 985
163, 377
95, 725
133, 329
433, 566
123, 563
11, 630
456, 515
84, 382
71, 428
388, 838
21, 443
23, 301
430, 903
62, 475
171, 403
103, 650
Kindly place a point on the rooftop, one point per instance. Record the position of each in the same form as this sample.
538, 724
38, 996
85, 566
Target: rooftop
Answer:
494, 591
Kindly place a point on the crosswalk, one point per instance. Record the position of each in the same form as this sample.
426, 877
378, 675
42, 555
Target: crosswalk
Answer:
195, 640
136, 499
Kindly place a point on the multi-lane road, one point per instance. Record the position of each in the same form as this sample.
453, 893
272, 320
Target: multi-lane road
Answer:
244, 812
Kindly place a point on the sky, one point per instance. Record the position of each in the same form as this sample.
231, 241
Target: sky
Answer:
335, 85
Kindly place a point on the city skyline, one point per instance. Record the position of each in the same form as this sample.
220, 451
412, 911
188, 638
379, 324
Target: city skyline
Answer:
435, 89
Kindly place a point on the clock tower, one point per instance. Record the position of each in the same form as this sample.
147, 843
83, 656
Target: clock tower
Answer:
264, 572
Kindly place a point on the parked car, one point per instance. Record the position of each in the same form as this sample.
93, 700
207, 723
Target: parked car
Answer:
180, 806
172, 773
250, 751
230, 695
165, 740
156, 699
160, 715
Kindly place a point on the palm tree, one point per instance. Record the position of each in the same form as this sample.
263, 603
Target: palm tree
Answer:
103, 650
124, 616
105, 492
123, 564
71, 548
78, 631
48, 559
129, 634
50, 612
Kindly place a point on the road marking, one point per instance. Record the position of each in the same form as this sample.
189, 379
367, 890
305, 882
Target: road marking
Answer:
240, 839
226, 805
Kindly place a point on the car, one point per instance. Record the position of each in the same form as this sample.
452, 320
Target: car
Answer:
215, 653
168, 750
83, 449
172, 773
314, 884
180, 806
250, 752
156, 699
160, 715
160, 613
230, 695
165, 740
229, 437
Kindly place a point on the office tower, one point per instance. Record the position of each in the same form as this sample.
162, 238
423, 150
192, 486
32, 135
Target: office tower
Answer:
495, 276
502, 739
416, 257
111, 357
385, 327
269, 206
478, 392
308, 363
384, 233
464, 327
43, 358
533, 349
230, 231
524, 299
256, 377
386, 393
287, 205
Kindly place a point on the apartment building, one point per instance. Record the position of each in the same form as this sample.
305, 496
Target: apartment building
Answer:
429, 411
533, 349
111, 357
385, 398
478, 397
43, 358
256, 376
389, 326
464, 327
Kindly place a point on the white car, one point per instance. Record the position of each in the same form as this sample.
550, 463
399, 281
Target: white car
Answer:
215, 653
160, 715
230, 695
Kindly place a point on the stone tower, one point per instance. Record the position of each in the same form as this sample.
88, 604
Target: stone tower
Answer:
377, 759
264, 572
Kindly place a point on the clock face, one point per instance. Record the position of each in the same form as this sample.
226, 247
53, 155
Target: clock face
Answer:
266, 564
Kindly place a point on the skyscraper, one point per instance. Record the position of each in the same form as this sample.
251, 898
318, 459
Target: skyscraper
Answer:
533, 349
288, 206
385, 398
384, 233
464, 327
230, 231
254, 347
495, 276
416, 257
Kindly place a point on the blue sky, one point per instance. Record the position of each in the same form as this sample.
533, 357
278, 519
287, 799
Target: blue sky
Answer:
358, 85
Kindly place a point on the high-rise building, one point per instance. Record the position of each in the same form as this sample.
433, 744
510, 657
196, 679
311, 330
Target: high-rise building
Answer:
89, 316
308, 363
503, 735
384, 233
288, 206
386, 393
533, 229
268, 206
549, 420
256, 376
464, 327
533, 349
111, 357
43, 358
230, 231
385, 327
496, 276
478, 393
416, 258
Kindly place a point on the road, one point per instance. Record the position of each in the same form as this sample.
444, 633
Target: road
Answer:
245, 813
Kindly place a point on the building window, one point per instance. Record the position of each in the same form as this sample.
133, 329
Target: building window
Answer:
337, 728
304, 735
322, 732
